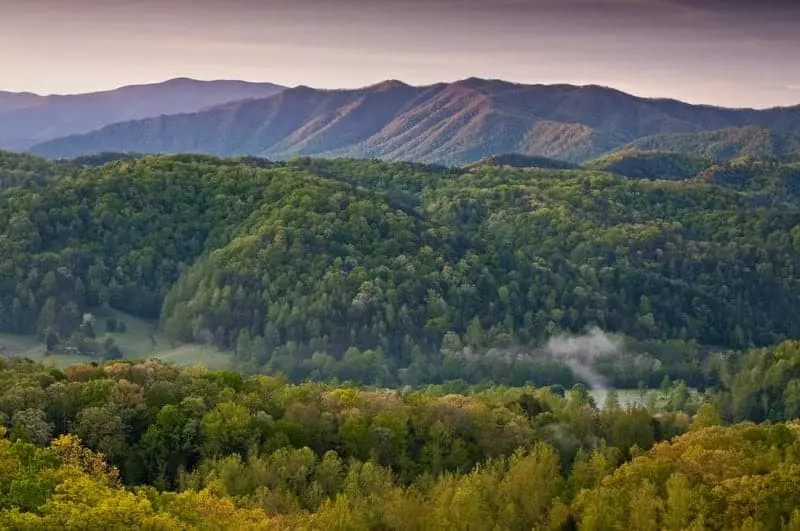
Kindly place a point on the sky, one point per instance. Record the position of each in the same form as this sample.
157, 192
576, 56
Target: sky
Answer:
739, 53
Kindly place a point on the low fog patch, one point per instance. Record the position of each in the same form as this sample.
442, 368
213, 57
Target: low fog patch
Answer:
581, 352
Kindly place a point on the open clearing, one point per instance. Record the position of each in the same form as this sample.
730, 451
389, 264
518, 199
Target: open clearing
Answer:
140, 341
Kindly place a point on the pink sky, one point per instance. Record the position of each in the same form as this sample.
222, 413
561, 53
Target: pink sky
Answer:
745, 55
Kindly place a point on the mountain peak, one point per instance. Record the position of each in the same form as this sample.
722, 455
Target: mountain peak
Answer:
389, 84
477, 83
180, 81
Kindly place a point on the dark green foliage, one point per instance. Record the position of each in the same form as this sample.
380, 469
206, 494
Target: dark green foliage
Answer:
651, 165
105, 236
405, 273
25, 170
51, 341
763, 384
115, 325
99, 159
724, 144
767, 181
402, 274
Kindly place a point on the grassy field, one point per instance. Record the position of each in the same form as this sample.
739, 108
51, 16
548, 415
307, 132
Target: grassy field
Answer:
29, 347
140, 341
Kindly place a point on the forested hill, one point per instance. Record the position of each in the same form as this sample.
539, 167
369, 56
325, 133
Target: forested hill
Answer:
27, 119
450, 123
402, 273
724, 144
666, 165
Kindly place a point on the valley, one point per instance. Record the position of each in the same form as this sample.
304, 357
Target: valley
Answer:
408, 265
403, 274
285, 344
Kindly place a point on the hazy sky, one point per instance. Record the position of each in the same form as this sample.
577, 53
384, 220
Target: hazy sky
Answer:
726, 52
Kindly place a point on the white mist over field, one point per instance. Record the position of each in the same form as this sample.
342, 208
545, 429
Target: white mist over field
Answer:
581, 352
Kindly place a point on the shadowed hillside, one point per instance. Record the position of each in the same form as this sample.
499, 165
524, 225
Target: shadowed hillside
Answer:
651, 164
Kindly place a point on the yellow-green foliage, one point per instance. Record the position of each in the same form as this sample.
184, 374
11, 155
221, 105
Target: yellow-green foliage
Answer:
739, 477
65, 486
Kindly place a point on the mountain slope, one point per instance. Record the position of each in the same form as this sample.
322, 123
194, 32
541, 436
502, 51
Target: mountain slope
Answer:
444, 123
724, 144
363, 269
26, 119
10, 101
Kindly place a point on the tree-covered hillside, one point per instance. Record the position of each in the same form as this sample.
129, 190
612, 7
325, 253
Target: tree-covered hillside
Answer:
515, 160
767, 180
398, 276
724, 144
659, 165
400, 273
19, 170
397, 273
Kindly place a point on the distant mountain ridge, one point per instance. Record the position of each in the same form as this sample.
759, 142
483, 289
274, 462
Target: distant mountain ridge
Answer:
27, 119
10, 101
450, 123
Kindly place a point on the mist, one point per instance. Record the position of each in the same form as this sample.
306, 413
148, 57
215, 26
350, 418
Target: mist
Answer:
581, 352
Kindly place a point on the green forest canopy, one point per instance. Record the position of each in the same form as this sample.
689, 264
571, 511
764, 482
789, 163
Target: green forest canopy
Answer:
401, 273
149, 446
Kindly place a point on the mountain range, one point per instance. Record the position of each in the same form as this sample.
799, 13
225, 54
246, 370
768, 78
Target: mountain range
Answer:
27, 119
445, 123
